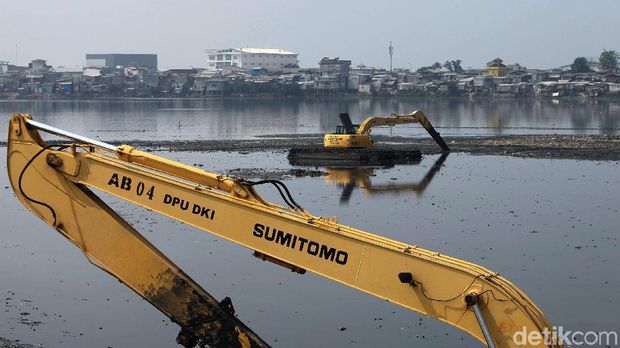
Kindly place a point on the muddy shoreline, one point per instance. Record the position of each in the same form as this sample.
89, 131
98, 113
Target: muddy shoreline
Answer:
5, 343
580, 147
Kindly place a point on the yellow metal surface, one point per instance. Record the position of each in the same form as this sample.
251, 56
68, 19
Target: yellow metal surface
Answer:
344, 254
378, 121
110, 243
352, 141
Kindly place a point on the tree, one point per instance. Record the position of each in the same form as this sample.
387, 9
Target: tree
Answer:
580, 64
453, 65
435, 66
609, 60
456, 66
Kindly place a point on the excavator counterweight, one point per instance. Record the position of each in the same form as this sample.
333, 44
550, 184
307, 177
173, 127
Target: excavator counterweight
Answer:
54, 181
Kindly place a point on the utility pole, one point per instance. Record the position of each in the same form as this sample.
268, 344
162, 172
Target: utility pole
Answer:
16, 63
391, 50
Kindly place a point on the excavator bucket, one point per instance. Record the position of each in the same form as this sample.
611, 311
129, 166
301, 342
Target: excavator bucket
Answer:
432, 132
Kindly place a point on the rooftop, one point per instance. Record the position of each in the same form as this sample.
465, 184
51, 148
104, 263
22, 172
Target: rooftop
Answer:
497, 63
265, 50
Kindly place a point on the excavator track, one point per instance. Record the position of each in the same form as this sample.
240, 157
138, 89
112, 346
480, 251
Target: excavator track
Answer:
374, 156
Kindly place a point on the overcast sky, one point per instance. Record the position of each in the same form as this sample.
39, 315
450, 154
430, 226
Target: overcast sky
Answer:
534, 33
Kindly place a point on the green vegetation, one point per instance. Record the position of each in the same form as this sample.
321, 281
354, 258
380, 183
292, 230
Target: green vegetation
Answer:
609, 60
453, 65
435, 66
450, 65
580, 65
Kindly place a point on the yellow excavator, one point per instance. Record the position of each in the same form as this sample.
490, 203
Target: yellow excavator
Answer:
352, 136
54, 181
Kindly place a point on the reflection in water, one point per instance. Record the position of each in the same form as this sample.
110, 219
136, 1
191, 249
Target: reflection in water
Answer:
141, 119
350, 178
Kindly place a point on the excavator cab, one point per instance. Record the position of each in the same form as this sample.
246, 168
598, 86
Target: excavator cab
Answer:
346, 135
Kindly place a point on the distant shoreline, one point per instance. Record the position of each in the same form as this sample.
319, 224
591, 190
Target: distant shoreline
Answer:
322, 98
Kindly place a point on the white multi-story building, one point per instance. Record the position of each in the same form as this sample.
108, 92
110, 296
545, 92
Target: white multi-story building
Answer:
4, 66
272, 59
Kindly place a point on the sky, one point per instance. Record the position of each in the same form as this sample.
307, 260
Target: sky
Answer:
533, 33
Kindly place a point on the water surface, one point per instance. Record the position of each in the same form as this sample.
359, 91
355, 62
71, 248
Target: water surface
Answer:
185, 119
550, 226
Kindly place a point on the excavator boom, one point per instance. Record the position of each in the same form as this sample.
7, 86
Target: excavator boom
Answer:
40, 179
53, 181
414, 117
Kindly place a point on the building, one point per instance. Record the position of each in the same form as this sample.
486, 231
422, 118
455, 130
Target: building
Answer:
334, 66
38, 66
337, 69
271, 59
112, 60
496, 68
4, 67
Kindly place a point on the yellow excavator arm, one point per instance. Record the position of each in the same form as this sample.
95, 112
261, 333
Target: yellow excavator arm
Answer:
359, 137
53, 181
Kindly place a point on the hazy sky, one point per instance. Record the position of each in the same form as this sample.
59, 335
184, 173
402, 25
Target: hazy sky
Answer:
534, 33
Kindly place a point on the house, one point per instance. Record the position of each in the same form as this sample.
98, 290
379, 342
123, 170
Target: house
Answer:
613, 88
306, 85
406, 86
545, 88
481, 82
611, 77
356, 80
92, 72
38, 66
496, 68
365, 88
65, 87
215, 87
539, 75
4, 67
448, 76
465, 84
507, 89
327, 85
336, 68
520, 76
